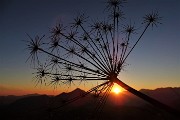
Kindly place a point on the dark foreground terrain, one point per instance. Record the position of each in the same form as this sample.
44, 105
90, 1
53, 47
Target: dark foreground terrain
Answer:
124, 106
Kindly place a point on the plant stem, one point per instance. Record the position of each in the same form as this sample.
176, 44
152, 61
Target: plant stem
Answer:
123, 59
152, 101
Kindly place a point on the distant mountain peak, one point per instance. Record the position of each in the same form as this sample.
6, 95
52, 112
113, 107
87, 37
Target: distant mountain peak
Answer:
73, 93
78, 90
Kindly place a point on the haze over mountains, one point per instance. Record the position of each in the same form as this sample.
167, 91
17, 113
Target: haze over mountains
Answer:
124, 106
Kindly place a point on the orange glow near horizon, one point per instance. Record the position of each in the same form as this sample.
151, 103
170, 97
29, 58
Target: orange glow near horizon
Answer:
18, 92
6, 90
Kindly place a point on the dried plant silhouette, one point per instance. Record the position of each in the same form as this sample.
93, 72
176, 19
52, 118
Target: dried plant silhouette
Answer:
76, 53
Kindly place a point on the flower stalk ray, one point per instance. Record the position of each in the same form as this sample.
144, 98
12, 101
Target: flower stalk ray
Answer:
95, 53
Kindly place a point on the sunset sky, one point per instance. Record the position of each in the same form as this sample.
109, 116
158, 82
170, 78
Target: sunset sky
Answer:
154, 63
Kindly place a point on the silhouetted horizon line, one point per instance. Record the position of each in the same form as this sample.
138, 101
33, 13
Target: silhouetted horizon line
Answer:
37, 94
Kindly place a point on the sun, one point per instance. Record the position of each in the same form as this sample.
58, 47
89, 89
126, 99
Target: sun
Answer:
116, 89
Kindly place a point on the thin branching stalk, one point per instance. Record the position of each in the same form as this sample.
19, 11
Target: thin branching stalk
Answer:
99, 54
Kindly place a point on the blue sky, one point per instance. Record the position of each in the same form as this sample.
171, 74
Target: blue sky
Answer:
155, 62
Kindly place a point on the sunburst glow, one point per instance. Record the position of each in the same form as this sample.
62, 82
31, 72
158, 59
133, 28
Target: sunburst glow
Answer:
116, 89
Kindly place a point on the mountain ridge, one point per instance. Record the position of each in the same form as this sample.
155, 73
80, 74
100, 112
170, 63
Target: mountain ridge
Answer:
171, 91
125, 105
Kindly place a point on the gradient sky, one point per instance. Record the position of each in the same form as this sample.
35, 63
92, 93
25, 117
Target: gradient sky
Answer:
154, 63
